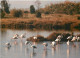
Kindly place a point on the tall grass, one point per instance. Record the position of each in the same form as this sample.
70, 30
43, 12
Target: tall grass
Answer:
47, 22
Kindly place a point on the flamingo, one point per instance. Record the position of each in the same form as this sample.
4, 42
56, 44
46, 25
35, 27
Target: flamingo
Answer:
34, 37
59, 38
78, 38
53, 44
73, 39
8, 44
45, 45
16, 36
23, 35
69, 37
27, 42
68, 42
34, 47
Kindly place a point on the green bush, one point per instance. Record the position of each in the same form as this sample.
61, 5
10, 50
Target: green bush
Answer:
32, 9
17, 13
47, 12
2, 14
38, 14
78, 17
77, 27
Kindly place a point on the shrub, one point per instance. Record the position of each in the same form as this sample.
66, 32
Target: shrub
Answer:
26, 12
32, 9
17, 13
38, 14
2, 14
78, 17
77, 27
47, 12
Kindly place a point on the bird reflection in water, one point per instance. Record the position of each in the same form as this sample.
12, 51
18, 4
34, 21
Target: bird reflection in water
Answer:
15, 43
77, 46
68, 52
7, 48
45, 53
26, 51
8, 45
74, 45
33, 54
21, 45
53, 50
34, 43
58, 48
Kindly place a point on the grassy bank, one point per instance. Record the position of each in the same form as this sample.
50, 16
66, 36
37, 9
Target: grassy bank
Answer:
47, 22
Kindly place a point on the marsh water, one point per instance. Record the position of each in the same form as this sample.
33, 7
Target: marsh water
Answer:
18, 48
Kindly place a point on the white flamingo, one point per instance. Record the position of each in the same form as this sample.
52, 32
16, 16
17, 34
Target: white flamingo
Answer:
27, 42
69, 37
16, 36
23, 36
45, 45
53, 44
34, 47
35, 37
73, 39
60, 37
57, 40
78, 38
68, 42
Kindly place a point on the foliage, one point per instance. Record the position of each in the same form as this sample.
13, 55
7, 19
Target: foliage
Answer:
38, 14
5, 6
32, 9
26, 12
17, 13
47, 12
2, 14
78, 17
69, 8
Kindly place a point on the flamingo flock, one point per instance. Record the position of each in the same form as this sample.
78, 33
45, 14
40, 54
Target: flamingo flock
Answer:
53, 43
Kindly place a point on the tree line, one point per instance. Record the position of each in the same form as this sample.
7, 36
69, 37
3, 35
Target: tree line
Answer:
69, 8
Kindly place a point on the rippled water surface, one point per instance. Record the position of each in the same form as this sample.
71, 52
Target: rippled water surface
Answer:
18, 48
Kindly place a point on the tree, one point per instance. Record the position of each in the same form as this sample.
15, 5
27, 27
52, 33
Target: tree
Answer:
32, 9
38, 3
5, 6
38, 14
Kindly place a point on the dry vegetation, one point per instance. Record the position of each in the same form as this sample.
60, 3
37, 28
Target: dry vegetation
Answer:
47, 22
54, 16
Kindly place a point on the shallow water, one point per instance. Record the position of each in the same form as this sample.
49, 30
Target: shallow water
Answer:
18, 48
